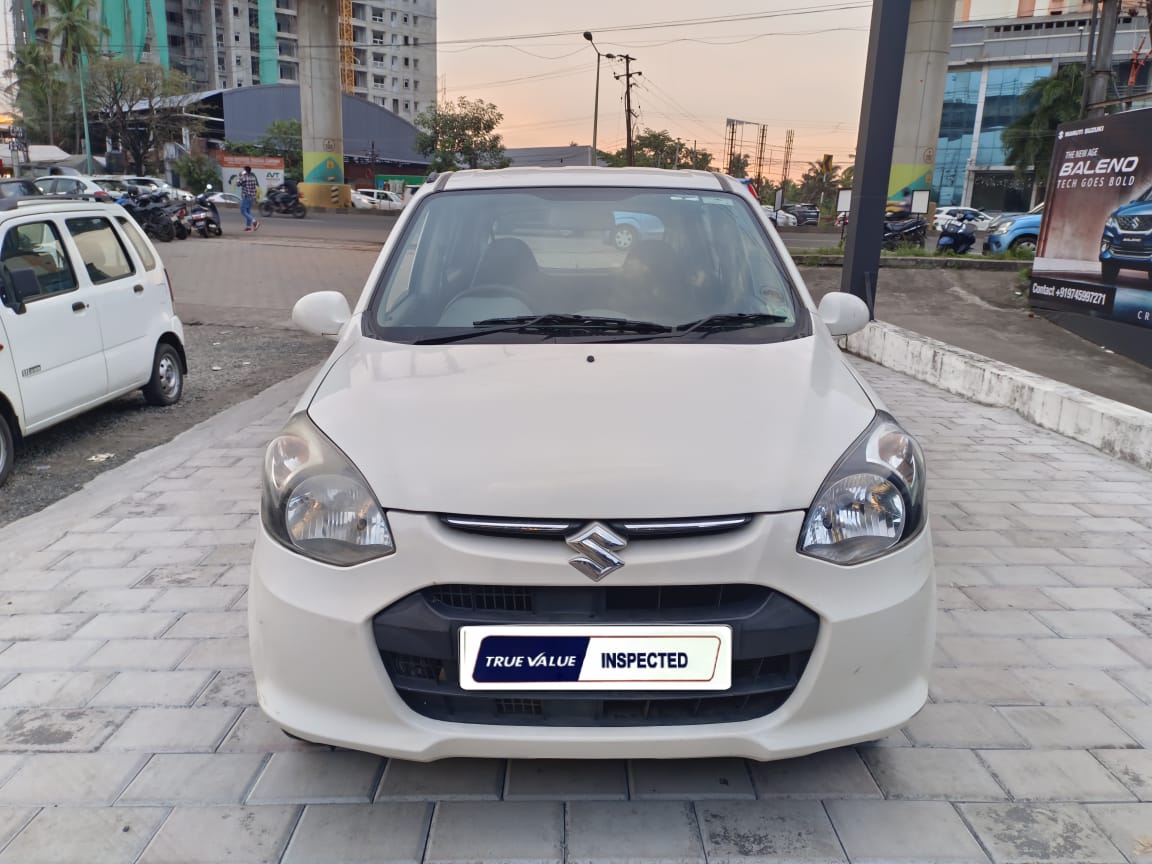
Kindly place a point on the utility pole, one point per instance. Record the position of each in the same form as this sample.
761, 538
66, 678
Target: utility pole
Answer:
788, 139
760, 157
627, 76
1102, 66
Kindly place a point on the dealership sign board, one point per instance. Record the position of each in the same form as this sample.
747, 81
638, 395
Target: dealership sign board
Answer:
269, 171
1094, 254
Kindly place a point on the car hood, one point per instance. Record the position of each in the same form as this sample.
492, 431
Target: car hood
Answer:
1135, 208
639, 430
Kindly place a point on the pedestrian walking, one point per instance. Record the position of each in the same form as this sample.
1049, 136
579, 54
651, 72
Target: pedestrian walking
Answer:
248, 189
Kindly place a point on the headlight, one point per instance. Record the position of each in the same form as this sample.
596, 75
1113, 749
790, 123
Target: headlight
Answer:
872, 501
1112, 223
315, 501
1003, 227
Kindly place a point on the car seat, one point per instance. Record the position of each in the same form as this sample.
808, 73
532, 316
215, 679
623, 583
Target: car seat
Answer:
506, 263
655, 284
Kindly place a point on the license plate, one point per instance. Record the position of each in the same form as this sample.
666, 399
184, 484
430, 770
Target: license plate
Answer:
676, 657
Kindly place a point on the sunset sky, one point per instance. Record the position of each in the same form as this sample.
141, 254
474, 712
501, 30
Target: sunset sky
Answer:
800, 69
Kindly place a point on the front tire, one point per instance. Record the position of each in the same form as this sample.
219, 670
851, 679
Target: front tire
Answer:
299, 211
266, 209
1027, 243
1109, 271
7, 449
167, 383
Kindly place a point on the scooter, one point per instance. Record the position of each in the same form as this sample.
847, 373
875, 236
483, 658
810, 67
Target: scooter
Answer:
205, 217
957, 236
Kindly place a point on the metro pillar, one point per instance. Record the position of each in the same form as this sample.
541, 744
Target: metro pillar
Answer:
321, 104
921, 96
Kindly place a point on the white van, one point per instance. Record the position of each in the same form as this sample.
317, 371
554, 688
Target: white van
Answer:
85, 317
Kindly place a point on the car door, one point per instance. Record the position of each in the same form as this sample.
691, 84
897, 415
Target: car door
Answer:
53, 331
124, 304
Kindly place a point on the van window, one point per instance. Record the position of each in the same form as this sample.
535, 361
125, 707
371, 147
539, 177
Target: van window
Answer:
138, 243
35, 248
101, 250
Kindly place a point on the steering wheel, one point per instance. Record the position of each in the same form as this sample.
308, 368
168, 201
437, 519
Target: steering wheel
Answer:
497, 291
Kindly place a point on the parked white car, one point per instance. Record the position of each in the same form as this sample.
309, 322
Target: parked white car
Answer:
361, 201
383, 198
780, 218
86, 317
553, 499
75, 186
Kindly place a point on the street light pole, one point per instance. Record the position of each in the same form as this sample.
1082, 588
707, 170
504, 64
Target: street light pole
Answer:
596, 101
84, 111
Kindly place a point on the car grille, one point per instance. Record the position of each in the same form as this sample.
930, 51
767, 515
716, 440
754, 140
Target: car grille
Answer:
633, 529
1135, 223
773, 638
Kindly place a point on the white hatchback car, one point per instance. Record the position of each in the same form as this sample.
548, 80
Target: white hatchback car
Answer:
86, 317
553, 499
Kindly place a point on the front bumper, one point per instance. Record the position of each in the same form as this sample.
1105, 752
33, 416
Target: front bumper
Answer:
319, 672
1131, 250
995, 244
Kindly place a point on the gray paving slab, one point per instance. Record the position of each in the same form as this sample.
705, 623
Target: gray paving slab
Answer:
1136, 720
134, 688
887, 832
180, 730
981, 684
1066, 726
962, 725
213, 835
13, 820
45, 654
1133, 768
227, 653
49, 779
53, 689
54, 729
113, 600
229, 688
392, 833
255, 733
67, 835
689, 779
639, 832
1054, 775
446, 780
496, 832
922, 773
1047, 833
566, 780
768, 832
193, 778
320, 777
839, 773
157, 654
1076, 687
1128, 827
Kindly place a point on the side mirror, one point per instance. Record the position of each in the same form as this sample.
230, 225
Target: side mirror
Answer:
323, 313
844, 313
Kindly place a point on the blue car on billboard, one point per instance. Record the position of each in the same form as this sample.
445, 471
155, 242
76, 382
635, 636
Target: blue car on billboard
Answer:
1127, 240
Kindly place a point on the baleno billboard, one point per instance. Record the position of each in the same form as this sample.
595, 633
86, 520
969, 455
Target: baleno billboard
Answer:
1094, 254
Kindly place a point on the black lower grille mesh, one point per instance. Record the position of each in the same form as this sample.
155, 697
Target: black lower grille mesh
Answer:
773, 637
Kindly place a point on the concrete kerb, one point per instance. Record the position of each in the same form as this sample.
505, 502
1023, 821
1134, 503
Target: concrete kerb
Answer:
1112, 427
40, 529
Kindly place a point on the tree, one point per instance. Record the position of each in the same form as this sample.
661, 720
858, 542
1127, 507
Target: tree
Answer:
197, 172
847, 176
738, 164
285, 138
1051, 101
820, 181
141, 105
658, 149
41, 97
70, 25
462, 133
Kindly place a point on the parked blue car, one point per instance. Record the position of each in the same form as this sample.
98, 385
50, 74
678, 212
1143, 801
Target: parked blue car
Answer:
1015, 232
1127, 240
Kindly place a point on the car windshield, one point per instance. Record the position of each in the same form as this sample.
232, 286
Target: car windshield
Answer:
1147, 196
584, 264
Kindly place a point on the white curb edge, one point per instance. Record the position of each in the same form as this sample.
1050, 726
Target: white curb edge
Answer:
1112, 427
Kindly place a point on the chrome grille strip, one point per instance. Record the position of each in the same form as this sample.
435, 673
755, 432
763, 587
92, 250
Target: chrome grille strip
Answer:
636, 528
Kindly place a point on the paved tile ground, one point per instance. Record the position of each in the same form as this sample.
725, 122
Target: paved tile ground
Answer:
129, 732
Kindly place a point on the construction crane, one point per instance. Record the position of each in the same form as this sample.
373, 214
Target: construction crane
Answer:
347, 49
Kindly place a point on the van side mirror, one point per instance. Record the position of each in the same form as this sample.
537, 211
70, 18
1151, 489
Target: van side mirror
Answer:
844, 313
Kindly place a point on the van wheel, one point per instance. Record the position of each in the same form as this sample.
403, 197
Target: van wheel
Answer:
167, 384
7, 449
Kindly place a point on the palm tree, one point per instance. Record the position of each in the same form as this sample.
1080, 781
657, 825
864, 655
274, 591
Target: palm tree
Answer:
1028, 141
36, 86
70, 24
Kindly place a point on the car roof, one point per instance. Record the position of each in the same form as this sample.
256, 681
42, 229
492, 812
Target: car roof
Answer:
576, 175
38, 206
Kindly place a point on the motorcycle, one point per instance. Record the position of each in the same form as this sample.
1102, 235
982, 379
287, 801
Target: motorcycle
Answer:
957, 236
149, 214
205, 217
178, 214
283, 204
910, 231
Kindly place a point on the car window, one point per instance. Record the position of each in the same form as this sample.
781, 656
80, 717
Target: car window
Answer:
100, 249
46, 187
18, 189
664, 256
138, 242
34, 262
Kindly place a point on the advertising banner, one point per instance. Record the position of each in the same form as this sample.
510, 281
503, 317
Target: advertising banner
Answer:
269, 171
1094, 254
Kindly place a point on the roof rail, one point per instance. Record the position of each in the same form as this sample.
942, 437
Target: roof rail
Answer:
31, 200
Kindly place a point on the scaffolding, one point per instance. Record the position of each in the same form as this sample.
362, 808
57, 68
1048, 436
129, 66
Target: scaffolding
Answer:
347, 49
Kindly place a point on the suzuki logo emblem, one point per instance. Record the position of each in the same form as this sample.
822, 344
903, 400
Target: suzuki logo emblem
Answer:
596, 546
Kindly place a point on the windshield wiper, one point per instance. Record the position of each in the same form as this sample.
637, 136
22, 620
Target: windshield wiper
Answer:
527, 323
730, 321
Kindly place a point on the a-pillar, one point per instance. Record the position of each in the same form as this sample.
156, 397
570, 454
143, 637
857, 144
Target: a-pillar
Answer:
321, 100
921, 96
